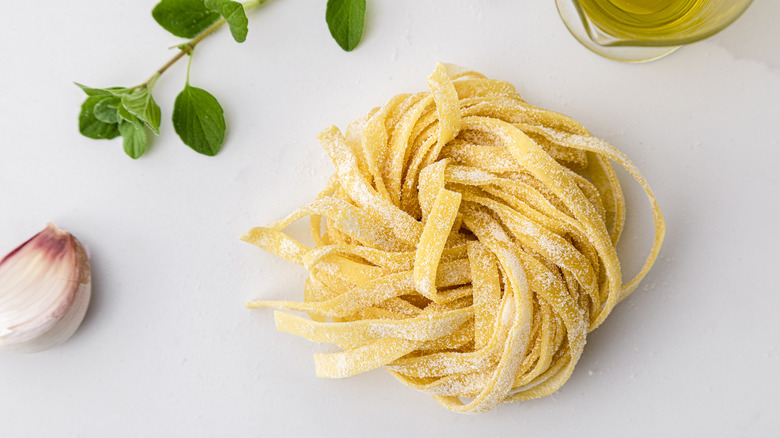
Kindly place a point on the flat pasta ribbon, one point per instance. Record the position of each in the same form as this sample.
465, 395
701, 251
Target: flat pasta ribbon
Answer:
466, 243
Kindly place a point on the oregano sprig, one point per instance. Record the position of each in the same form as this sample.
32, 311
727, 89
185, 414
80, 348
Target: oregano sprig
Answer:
198, 119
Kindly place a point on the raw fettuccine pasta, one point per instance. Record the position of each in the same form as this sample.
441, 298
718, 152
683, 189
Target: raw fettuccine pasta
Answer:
466, 243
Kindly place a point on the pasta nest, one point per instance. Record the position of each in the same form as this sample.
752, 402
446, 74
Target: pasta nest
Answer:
466, 243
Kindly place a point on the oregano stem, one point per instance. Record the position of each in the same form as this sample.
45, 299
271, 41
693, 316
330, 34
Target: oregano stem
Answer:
189, 64
251, 4
190, 45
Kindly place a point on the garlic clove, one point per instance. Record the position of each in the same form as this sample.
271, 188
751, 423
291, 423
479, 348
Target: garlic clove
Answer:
45, 286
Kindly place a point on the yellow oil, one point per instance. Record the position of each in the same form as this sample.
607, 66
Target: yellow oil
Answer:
651, 18
642, 6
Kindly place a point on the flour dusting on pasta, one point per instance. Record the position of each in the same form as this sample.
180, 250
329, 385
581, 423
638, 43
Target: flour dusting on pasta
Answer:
466, 243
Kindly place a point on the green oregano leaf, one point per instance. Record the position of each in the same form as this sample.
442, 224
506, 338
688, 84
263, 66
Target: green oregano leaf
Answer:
345, 20
124, 114
106, 110
143, 106
135, 139
100, 91
198, 120
184, 18
90, 126
93, 91
234, 15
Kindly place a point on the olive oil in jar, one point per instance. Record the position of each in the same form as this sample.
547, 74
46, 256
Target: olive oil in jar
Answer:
642, 7
638, 18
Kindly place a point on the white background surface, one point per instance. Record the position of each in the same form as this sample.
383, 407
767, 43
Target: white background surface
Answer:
167, 348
